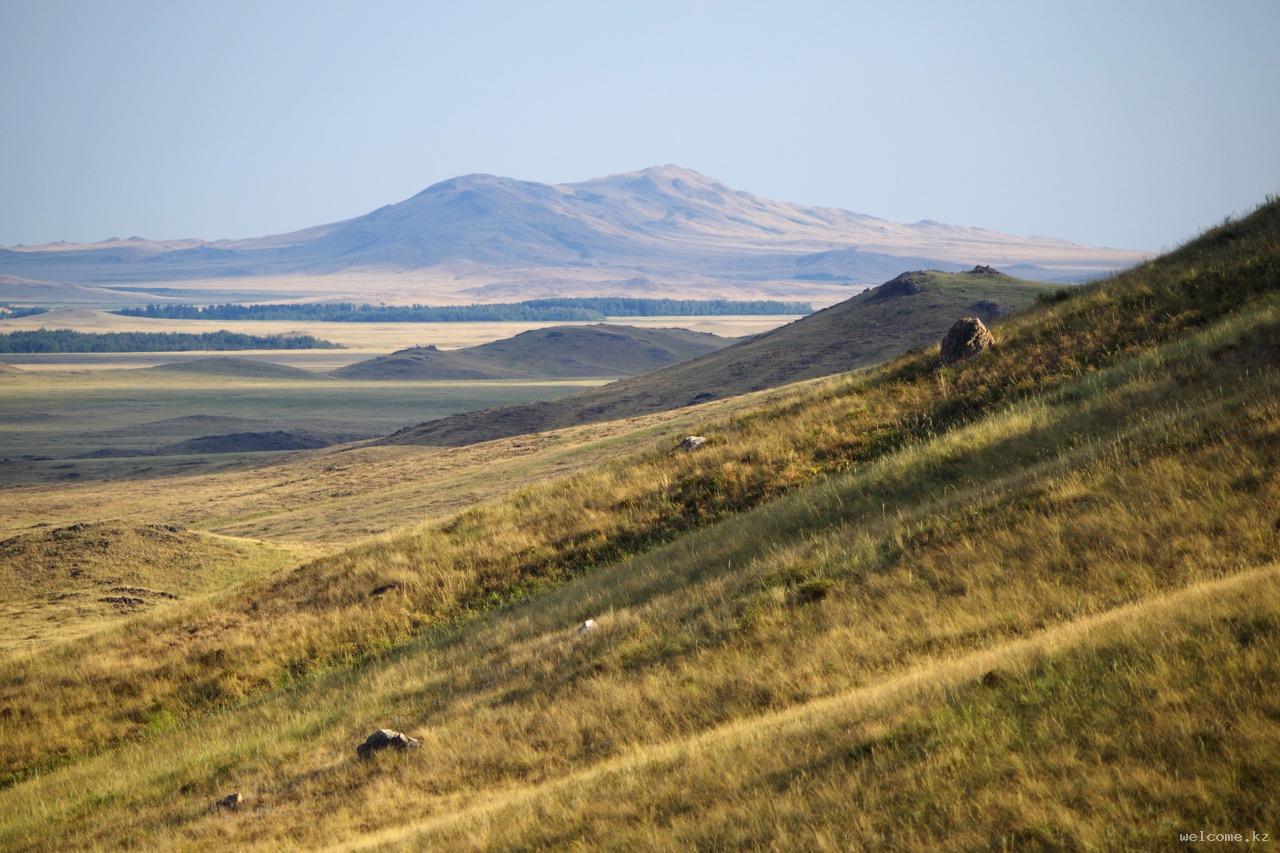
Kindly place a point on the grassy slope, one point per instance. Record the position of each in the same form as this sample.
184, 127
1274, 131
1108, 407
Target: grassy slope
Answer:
556, 352
330, 498
909, 525
867, 329
62, 582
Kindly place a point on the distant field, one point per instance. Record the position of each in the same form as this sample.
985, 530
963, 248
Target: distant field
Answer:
50, 417
563, 309
360, 339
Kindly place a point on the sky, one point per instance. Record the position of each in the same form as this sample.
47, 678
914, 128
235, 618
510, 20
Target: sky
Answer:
1127, 124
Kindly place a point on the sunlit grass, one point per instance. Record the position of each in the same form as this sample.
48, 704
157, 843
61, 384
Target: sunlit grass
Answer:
795, 623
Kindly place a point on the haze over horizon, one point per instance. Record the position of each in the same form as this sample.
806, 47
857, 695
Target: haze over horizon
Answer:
1130, 127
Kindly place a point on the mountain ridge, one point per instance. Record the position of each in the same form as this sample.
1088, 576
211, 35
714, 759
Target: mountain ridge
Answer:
664, 226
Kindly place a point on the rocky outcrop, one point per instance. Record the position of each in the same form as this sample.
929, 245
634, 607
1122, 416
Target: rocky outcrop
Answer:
907, 284
967, 338
384, 739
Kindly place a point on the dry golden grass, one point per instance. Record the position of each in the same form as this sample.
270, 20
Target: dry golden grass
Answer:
58, 583
329, 498
1075, 737
713, 631
791, 623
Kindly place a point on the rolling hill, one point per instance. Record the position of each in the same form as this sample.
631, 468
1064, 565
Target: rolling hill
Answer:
244, 368
1028, 600
908, 311
660, 231
58, 583
556, 352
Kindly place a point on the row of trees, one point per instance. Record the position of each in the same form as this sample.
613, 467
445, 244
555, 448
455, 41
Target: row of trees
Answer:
533, 310
9, 312
66, 340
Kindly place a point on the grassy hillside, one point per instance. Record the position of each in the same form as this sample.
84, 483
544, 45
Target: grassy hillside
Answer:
63, 582
350, 492
1028, 600
909, 311
557, 352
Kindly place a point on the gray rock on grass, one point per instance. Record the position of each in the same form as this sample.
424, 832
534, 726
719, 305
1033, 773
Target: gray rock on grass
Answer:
691, 443
967, 338
384, 739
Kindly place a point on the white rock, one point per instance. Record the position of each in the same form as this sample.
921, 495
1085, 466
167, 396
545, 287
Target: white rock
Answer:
692, 442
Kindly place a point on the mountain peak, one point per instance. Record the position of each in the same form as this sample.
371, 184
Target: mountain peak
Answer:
471, 180
671, 170
666, 220
668, 173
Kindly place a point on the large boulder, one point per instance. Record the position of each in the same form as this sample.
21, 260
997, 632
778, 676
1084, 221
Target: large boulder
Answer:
967, 338
384, 738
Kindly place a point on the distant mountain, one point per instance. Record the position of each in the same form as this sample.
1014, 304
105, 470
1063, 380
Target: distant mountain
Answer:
911, 310
661, 230
556, 352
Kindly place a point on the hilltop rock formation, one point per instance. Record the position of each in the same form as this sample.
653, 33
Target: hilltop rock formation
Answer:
907, 284
967, 338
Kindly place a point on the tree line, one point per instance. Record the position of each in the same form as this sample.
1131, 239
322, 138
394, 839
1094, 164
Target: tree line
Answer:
67, 340
9, 312
532, 310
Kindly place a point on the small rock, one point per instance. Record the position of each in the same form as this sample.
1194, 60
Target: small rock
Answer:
383, 738
231, 802
692, 442
967, 338
983, 269
589, 625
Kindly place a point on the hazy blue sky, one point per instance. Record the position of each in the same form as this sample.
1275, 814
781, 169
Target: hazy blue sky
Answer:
1122, 123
